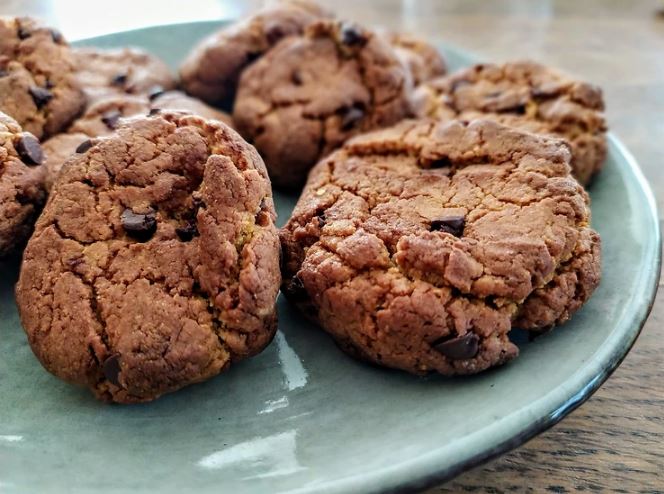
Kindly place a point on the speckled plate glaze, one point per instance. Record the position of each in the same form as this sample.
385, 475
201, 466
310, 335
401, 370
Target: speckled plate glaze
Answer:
302, 417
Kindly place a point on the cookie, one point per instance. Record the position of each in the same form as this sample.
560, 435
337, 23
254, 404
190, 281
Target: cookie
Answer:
177, 100
111, 72
212, 69
100, 119
155, 263
103, 117
22, 193
530, 97
37, 84
57, 150
423, 60
421, 246
310, 93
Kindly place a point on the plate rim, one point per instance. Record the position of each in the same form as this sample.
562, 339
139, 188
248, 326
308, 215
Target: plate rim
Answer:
422, 472
434, 477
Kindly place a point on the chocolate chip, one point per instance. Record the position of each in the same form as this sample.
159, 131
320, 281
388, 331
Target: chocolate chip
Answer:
296, 77
154, 111
40, 95
351, 116
460, 348
3, 73
352, 34
139, 226
111, 369
520, 109
29, 150
49, 84
155, 91
119, 80
111, 118
449, 224
84, 146
274, 33
187, 232
23, 33
443, 162
57, 36
321, 220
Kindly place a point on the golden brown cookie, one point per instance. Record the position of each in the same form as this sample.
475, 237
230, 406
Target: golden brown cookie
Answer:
212, 70
155, 263
37, 84
112, 72
100, 119
310, 93
22, 193
423, 60
103, 116
421, 246
528, 96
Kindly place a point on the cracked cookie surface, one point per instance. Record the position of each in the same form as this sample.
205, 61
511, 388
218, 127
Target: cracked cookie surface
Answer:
155, 263
37, 84
104, 116
111, 72
22, 192
420, 246
212, 70
528, 96
310, 93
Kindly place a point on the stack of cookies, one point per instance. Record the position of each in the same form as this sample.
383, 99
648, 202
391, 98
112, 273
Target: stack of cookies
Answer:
437, 211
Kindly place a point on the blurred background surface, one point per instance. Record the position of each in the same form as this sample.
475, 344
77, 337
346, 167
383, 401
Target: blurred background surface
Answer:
614, 442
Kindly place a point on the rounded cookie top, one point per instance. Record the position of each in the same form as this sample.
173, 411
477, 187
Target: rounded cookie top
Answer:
423, 60
100, 119
113, 72
22, 191
37, 83
310, 93
104, 116
212, 69
156, 260
177, 100
418, 246
529, 96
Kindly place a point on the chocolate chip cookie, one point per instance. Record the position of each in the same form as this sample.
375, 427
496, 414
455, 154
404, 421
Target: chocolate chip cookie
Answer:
22, 193
37, 84
528, 96
103, 116
421, 246
100, 119
424, 61
212, 70
310, 93
155, 263
113, 72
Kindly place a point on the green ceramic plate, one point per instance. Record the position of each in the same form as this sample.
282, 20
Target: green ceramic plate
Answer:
302, 417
